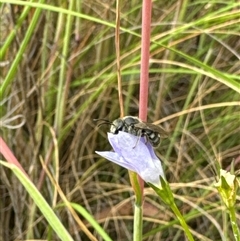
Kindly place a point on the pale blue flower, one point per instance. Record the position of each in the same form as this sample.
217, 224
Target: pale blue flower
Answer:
135, 154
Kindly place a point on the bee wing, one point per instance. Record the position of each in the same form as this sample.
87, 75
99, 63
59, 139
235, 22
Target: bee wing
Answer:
148, 126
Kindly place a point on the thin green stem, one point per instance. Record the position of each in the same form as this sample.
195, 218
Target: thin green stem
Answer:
165, 193
13, 69
62, 86
234, 223
11, 36
182, 221
137, 233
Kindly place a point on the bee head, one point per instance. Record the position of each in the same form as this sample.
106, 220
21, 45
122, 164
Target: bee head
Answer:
125, 124
115, 125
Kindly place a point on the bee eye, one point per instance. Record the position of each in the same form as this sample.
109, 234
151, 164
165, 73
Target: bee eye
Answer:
152, 135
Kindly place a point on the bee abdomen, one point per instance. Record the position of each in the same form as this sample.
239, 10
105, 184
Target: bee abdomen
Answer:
154, 138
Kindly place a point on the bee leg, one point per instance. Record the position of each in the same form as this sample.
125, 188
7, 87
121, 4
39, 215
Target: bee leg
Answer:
139, 134
144, 134
147, 138
136, 142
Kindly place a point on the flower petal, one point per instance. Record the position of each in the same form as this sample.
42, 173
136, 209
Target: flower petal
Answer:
116, 158
139, 154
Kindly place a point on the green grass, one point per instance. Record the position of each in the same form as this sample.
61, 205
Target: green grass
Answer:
58, 73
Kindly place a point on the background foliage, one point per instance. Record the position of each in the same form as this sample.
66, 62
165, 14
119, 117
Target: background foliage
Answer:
58, 73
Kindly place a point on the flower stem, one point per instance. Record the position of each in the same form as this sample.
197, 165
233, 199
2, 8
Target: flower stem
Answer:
137, 233
165, 193
143, 101
182, 221
145, 52
234, 223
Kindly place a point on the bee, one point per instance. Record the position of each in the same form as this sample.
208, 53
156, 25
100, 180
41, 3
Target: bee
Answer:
135, 126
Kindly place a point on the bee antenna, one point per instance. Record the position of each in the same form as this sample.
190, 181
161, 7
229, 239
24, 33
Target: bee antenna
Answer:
106, 122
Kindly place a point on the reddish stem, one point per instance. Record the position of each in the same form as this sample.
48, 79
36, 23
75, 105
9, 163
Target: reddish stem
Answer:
145, 53
6, 152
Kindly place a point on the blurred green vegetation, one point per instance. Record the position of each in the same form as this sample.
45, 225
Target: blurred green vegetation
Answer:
58, 73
